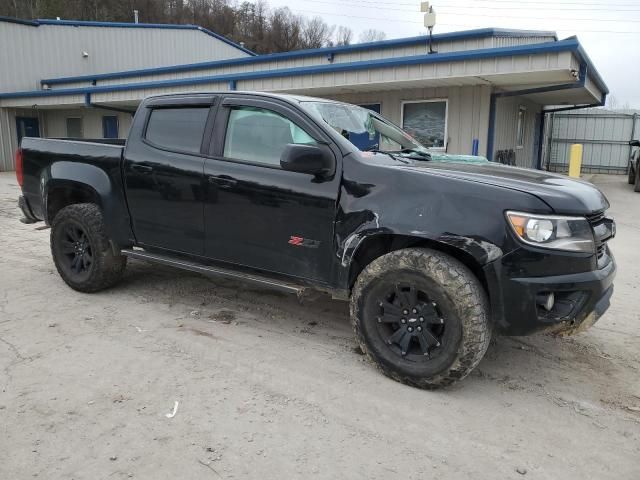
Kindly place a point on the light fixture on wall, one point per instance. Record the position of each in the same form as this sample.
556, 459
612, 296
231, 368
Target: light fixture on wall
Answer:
85, 54
429, 22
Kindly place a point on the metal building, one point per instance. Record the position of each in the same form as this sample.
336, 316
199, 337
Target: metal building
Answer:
483, 92
32, 50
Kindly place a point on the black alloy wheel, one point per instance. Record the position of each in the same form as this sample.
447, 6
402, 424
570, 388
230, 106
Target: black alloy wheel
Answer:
76, 249
410, 322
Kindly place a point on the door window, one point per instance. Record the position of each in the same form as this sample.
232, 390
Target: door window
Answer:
260, 136
426, 121
179, 129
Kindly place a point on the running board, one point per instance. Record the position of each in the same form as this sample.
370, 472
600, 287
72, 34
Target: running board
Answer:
214, 271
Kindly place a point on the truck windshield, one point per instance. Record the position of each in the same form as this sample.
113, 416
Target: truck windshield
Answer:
363, 128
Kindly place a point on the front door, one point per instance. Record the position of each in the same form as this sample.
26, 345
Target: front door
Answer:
164, 180
257, 214
27, 127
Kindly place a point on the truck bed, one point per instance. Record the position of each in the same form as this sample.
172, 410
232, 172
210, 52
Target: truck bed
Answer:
46, 158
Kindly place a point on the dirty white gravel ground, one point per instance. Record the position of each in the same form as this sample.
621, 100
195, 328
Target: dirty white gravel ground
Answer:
270, 388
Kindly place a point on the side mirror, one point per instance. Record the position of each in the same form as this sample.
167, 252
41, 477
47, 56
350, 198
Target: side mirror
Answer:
315, 160
635, 143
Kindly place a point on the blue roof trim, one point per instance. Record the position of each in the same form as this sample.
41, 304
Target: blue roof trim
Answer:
399, 42
83, 23
19, 21
571, 45
591, 70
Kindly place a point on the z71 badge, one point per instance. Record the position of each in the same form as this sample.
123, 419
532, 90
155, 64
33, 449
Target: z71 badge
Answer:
303, 242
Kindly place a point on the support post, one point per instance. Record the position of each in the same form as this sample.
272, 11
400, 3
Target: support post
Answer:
575, 160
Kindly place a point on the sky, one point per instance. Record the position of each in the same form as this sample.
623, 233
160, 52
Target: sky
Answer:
609, 30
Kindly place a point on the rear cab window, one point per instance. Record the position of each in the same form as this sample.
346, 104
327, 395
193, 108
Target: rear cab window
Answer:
177, 129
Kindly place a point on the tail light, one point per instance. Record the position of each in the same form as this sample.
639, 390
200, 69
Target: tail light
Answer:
19, 170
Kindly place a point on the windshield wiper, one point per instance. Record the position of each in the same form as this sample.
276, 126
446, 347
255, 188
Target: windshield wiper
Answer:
415, 151
391, 154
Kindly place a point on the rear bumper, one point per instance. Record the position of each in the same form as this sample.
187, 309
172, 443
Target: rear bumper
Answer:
580, 300
29, 217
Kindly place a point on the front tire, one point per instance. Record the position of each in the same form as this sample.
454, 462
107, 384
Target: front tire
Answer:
421, 316
636, 187
81, 250
631, 174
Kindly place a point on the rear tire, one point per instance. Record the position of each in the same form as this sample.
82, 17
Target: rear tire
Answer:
636, 187
408, 294
81, 250
631, 174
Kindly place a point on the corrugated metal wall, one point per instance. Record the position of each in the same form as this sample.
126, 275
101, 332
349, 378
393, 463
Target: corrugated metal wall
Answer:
9, 135
52, 123
507, 126
30, 53
604, 135
55, 122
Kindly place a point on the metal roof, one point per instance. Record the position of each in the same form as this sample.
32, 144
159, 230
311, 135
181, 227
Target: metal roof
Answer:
569, 45
325, 51
83, 23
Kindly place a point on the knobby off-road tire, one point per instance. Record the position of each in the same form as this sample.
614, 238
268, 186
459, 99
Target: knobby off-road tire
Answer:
631, 174
449, 325
81, 250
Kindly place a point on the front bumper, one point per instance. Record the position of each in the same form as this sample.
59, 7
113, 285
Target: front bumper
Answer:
581, 299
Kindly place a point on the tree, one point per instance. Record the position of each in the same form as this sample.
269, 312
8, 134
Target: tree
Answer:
286, 29
372, 35
316, 33
260, 28
344, 35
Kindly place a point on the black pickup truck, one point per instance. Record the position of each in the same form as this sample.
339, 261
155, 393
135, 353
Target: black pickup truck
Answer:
294, 192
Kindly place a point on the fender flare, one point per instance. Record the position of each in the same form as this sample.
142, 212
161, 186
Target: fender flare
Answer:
481, 251
92, 179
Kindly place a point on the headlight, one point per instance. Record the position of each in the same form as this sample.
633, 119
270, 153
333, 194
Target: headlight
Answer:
572, 234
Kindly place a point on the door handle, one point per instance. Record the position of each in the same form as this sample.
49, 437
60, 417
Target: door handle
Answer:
223, 181
141, 168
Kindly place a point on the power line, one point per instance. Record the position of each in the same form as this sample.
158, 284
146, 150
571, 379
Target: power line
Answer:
447, 24
524, 4
500, 16
444, 10
528, 17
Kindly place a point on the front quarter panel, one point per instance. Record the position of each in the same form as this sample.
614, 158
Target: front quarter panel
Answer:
381, 197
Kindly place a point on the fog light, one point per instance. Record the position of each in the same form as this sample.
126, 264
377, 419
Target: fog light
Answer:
546, 300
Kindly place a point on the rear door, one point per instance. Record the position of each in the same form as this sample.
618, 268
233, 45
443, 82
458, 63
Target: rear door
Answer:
257, 214
163, 172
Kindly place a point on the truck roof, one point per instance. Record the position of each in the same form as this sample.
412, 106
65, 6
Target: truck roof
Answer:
281, 96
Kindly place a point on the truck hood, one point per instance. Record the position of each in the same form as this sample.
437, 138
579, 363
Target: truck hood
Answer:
563, 194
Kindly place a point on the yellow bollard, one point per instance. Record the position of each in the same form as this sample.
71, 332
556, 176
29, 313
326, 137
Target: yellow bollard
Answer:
575, 160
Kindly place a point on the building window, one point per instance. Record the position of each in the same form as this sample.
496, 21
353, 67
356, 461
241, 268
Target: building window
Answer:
110, 126
179, 129
74, 127
426, 121
522, 113
260, 136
